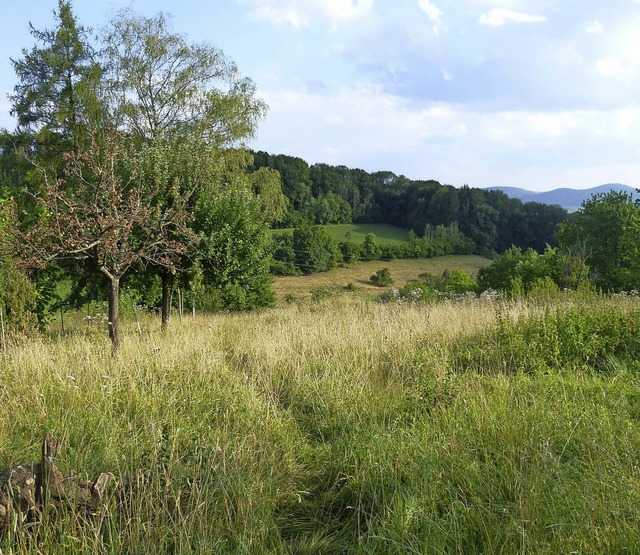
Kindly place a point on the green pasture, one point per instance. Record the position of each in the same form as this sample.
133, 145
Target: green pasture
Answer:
355, 233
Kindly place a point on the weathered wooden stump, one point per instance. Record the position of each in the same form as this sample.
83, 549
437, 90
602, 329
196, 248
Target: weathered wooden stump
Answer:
26, 490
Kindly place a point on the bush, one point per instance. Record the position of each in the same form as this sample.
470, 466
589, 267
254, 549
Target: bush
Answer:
17, 300
584, 338
350, 251
382, 277
458, 282
370, 248
315, 249
235, 251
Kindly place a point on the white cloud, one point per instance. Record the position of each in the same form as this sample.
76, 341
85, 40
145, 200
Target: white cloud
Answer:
446, 75
500, 16
370, 121
368, 128
433, 12
594, 28
610, 67
301, 13
619, 57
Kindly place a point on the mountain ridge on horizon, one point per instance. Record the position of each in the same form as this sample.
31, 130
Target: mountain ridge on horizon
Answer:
570, 199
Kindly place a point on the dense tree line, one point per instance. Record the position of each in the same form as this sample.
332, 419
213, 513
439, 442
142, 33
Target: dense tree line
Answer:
321, 194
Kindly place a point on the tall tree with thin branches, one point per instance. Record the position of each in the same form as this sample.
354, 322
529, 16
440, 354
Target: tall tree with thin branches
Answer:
159, 87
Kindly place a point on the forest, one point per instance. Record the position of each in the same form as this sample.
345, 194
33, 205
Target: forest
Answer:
491, 221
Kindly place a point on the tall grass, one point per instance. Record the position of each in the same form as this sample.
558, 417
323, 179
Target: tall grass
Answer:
343, 426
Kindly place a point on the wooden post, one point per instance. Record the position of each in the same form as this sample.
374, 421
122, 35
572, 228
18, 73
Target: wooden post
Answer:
47, 478
180, 304
62, 321
193, 307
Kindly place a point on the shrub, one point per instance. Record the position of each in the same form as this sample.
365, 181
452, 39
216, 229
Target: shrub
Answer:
458, 282
370, 248
17, 300
315, 249
382, 277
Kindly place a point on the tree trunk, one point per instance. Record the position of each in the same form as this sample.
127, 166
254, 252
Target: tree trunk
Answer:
167, 282
114, 299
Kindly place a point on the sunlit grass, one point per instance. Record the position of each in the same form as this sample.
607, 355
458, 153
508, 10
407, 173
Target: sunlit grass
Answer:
335, 427
402, 271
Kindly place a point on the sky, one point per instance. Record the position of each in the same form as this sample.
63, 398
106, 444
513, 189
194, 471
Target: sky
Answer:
537, 94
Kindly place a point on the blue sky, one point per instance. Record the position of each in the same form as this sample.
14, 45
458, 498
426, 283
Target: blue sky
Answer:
535, 94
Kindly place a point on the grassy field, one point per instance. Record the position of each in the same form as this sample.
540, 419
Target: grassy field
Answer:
402, 271
385, 233
343, 426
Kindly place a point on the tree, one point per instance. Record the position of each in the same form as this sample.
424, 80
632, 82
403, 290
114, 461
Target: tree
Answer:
54, 100
157, 86
102, 210
57, 80
17, 296
316, 250
234, 249
606, 233
370, 248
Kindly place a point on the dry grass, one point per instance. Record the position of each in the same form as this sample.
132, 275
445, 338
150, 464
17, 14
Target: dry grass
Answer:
331, 427
402, 271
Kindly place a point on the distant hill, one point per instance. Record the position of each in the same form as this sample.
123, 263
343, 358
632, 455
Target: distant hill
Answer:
571, 199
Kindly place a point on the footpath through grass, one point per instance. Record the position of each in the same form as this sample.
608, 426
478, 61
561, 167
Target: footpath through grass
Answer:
344, 426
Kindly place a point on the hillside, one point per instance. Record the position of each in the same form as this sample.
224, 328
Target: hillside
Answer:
570, 199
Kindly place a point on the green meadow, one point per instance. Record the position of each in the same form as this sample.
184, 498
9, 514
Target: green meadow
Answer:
341, 426
355, 233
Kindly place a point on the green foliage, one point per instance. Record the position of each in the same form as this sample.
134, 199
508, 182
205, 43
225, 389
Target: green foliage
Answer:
382, 277
284, 255
430, 288
350, 252
234, 250
315, 249
17, 299
328, 209
590, 337
516, 272
458, 282
265, 184
58, 81
158, 85
604, 235
486, 221
370, 248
